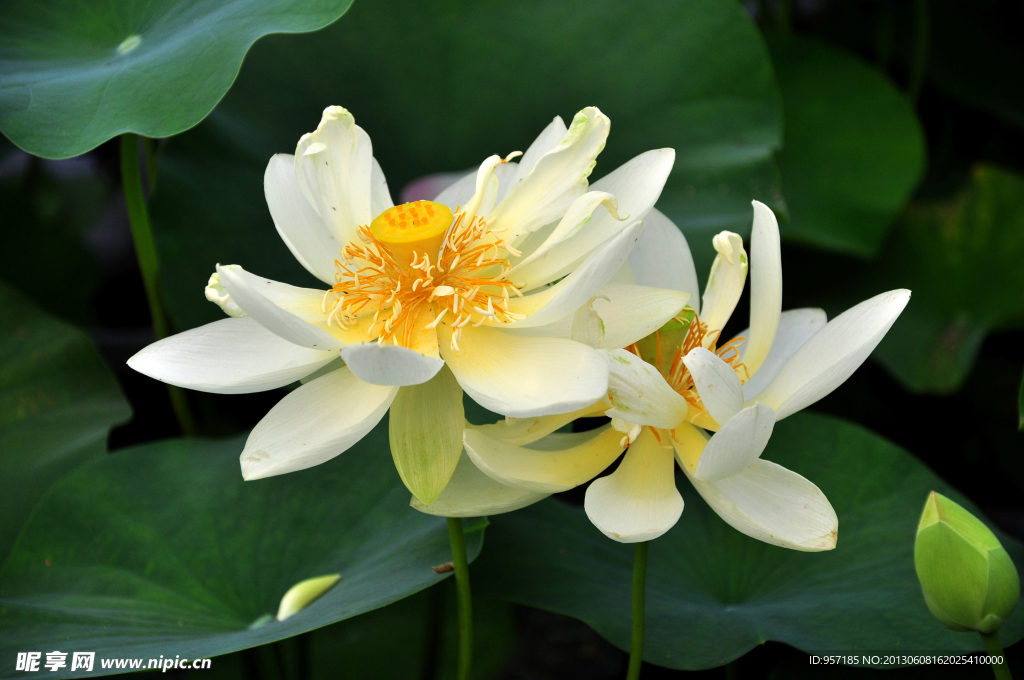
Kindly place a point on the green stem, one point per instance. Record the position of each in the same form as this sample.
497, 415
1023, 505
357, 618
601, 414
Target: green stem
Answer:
636, 650
919, 62
463, 599
1001, 670
149, 265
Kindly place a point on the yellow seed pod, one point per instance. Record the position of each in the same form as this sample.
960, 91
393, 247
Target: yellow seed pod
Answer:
419, 226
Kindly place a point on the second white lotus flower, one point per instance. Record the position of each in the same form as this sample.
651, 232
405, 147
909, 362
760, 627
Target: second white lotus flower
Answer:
424, 300
681, 396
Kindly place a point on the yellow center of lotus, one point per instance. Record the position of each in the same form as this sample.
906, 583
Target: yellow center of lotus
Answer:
418, 266
418, 226
671, 365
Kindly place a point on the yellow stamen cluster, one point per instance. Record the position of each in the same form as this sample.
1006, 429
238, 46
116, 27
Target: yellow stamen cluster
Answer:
678, 376
420, 259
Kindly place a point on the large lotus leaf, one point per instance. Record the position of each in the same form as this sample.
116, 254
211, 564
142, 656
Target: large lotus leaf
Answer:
854, 149
74, 74
164, 550
961, 258
441, 89
58, 401
713, 594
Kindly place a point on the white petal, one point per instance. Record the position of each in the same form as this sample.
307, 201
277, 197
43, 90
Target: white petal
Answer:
284, 310
765, 287
547, 140
737, 444
390, 364
524, 376
559, 177
485, 193
230, 356
380, 196
639, 501
547, 470
310, 239
523, 431
716, 382
662, 259
537, 268
334, 166
796, 326
639, 393
566, 296
458, 193
725, 282
832, 354
626, 314
471, 493
314, 423
775, 505
635, 186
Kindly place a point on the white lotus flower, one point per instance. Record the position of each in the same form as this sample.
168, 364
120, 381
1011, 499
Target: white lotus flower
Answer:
424, 300
668, 391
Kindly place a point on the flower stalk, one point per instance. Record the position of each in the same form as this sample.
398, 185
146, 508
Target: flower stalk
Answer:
636, 649
995, 649
149, 265
464, 602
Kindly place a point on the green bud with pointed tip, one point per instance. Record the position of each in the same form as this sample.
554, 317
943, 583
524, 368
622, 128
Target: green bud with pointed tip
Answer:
303, 593
968, 579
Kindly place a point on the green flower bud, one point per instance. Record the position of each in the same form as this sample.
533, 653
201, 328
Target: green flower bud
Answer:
303, 593
968, 579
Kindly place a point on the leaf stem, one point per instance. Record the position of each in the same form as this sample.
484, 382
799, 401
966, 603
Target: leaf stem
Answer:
992, 644
145, 251
464, 601
636, 650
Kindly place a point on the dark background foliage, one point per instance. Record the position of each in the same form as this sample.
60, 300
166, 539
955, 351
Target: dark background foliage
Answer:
932, 200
